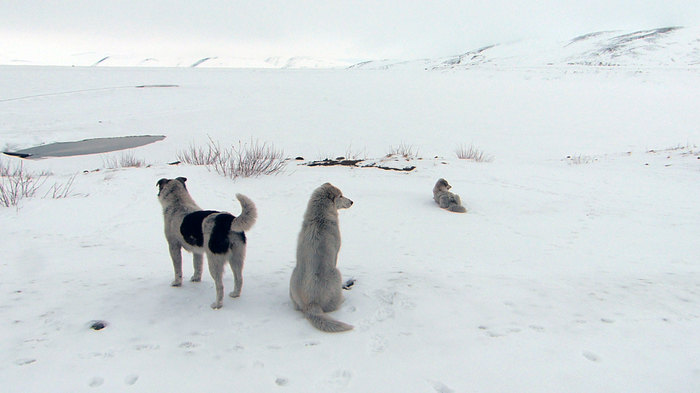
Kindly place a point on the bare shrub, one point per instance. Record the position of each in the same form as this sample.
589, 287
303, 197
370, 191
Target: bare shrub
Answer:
7, 169
350, 154
403, 150
16, 183
125, 160
197, 155
249, 160
245, 160
472, 153
60, 191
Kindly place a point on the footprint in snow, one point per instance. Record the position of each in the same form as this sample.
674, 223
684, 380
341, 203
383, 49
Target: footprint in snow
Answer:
24, 362
96, 381
188, 345
441, 387
131, 379
340, 378
591, 356
499, 331
377, 344
146, 347
388, 302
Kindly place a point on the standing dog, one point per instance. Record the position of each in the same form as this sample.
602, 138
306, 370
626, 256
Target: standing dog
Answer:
446, 199
315, 286
218, 234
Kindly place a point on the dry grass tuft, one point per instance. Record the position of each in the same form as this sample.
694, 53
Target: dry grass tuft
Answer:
245, 160
472, 153
402, 150
125, 160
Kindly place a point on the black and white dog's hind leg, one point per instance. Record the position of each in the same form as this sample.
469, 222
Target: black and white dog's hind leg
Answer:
235, 260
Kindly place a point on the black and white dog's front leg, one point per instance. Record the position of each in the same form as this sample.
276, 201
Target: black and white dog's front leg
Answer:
197, 262
176, 256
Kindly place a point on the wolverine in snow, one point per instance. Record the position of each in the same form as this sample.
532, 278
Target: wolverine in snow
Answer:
315, 286
220, 235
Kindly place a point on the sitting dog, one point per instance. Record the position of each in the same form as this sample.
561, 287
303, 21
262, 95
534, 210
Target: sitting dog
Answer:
218, 234
446, 199
315, 286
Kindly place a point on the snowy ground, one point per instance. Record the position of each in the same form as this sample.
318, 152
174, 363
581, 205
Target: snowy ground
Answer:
566, 275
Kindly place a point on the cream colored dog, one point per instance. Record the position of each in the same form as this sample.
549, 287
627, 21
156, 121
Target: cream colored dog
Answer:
316, 284
446, 199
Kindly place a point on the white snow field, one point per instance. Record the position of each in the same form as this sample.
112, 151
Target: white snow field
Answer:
576, 274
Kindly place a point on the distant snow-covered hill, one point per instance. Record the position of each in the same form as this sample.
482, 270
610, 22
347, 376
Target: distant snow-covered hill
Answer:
662, 47
99, 59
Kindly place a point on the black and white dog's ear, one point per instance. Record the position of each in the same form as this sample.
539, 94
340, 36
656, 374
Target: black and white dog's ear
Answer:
182, 179
161, 183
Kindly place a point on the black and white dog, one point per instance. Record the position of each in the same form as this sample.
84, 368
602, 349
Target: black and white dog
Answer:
218, 234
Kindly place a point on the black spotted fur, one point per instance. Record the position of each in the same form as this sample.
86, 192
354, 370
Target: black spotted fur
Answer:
191, 227
218, 241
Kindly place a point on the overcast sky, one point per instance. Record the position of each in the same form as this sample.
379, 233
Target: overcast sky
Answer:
357, 29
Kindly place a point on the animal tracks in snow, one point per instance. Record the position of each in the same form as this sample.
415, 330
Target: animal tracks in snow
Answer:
131, 379
96, 381
188, 345
502, 331
440, 387
388, 301
25, 361
591, 356
146, 347
340, 378
377, 344
388, 304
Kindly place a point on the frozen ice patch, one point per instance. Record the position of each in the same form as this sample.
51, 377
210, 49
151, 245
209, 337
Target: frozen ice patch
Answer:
86, 146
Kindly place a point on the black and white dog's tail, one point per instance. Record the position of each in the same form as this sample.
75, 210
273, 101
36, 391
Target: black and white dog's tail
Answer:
248, 215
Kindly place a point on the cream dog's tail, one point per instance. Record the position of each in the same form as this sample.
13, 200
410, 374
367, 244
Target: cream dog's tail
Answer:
457, 208
451, 202
323, 322
248, 215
